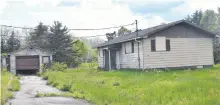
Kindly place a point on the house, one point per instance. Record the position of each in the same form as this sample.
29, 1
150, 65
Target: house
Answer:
28, 60
174, 45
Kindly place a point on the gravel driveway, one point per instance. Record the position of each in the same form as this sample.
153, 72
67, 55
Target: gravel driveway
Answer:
30, 85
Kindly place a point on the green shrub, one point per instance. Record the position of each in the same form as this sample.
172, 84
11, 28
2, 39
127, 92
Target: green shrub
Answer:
89, 66
56, 66
66, 87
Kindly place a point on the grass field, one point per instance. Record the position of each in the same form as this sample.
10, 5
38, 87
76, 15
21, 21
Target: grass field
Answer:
9, 83
179, 87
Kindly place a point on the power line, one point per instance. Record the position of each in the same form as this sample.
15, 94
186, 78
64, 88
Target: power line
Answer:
71, 29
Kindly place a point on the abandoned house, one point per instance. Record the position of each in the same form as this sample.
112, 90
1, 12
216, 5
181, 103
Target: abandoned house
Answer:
177, 44
28, 60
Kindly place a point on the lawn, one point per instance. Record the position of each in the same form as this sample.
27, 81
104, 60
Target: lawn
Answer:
175, 87
9, 83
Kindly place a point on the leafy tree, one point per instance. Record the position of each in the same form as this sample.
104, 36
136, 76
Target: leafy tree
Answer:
123, 31
110, 36
13, 43
38, 38
80, 52
60, 43
209, 20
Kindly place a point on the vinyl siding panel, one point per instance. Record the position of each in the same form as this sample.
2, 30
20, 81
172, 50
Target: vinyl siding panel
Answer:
130, 60
184, 52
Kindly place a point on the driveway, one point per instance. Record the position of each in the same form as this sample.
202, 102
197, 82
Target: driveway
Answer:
31, 85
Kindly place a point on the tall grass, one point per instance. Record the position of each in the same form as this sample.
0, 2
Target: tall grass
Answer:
183, 87
9, 83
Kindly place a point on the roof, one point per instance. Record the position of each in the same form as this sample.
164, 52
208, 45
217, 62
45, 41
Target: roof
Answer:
26, 48
149, 31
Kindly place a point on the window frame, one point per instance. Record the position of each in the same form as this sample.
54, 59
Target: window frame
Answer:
48, 59
132, 47
167, 45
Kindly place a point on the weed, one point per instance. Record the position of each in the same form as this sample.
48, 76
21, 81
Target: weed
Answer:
179, 87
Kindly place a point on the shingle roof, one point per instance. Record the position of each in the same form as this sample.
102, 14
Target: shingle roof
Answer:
146, 32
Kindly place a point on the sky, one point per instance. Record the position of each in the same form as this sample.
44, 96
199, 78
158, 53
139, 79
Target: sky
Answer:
98, 13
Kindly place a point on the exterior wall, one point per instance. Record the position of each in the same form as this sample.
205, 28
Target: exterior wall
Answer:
189, 47
100, 59
27, 52
130, 60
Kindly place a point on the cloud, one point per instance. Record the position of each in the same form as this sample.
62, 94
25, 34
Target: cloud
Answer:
191, 5
86, 14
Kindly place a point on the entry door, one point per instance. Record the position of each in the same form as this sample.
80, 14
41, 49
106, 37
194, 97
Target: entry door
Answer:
27, 62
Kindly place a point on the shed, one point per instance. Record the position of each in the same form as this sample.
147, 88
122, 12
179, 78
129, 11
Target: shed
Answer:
29, 60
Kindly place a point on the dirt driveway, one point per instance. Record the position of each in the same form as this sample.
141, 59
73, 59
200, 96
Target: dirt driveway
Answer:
30, 85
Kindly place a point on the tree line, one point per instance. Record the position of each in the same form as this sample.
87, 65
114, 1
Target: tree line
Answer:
55, 39
209, 20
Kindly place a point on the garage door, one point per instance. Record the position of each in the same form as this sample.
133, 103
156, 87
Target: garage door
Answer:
27, 62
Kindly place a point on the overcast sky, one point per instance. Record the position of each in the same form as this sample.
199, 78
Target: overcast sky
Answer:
98, 13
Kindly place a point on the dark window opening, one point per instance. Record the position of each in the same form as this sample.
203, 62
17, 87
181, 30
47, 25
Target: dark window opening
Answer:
167, 45
153, 47
132, 46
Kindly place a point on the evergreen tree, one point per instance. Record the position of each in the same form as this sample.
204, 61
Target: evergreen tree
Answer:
195, 18
13, 43
60, 43
38, 38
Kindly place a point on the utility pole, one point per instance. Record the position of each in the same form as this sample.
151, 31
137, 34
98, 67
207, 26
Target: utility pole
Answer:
139, 64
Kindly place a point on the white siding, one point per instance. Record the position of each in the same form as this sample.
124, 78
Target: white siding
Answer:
100, 58
184, 52
130, 60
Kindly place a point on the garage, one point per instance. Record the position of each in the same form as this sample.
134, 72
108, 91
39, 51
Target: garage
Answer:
27, 64
29, 60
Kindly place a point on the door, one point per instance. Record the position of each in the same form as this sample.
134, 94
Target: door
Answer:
112, 59
27, 63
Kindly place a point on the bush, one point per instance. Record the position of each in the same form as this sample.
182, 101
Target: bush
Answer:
66, 87
58, 66
89, 66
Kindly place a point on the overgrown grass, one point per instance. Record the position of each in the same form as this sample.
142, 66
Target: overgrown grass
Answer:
179, 87
9, 83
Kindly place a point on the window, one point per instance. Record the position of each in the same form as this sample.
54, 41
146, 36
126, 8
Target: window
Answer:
129, 47
160, 44
167, 44
46, 59
153, 47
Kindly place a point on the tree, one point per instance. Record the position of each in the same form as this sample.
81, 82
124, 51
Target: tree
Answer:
80, 52
110, 36
123, 31
13, 43
4, 37
195, 18
209, 20
38, 38
60, 43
